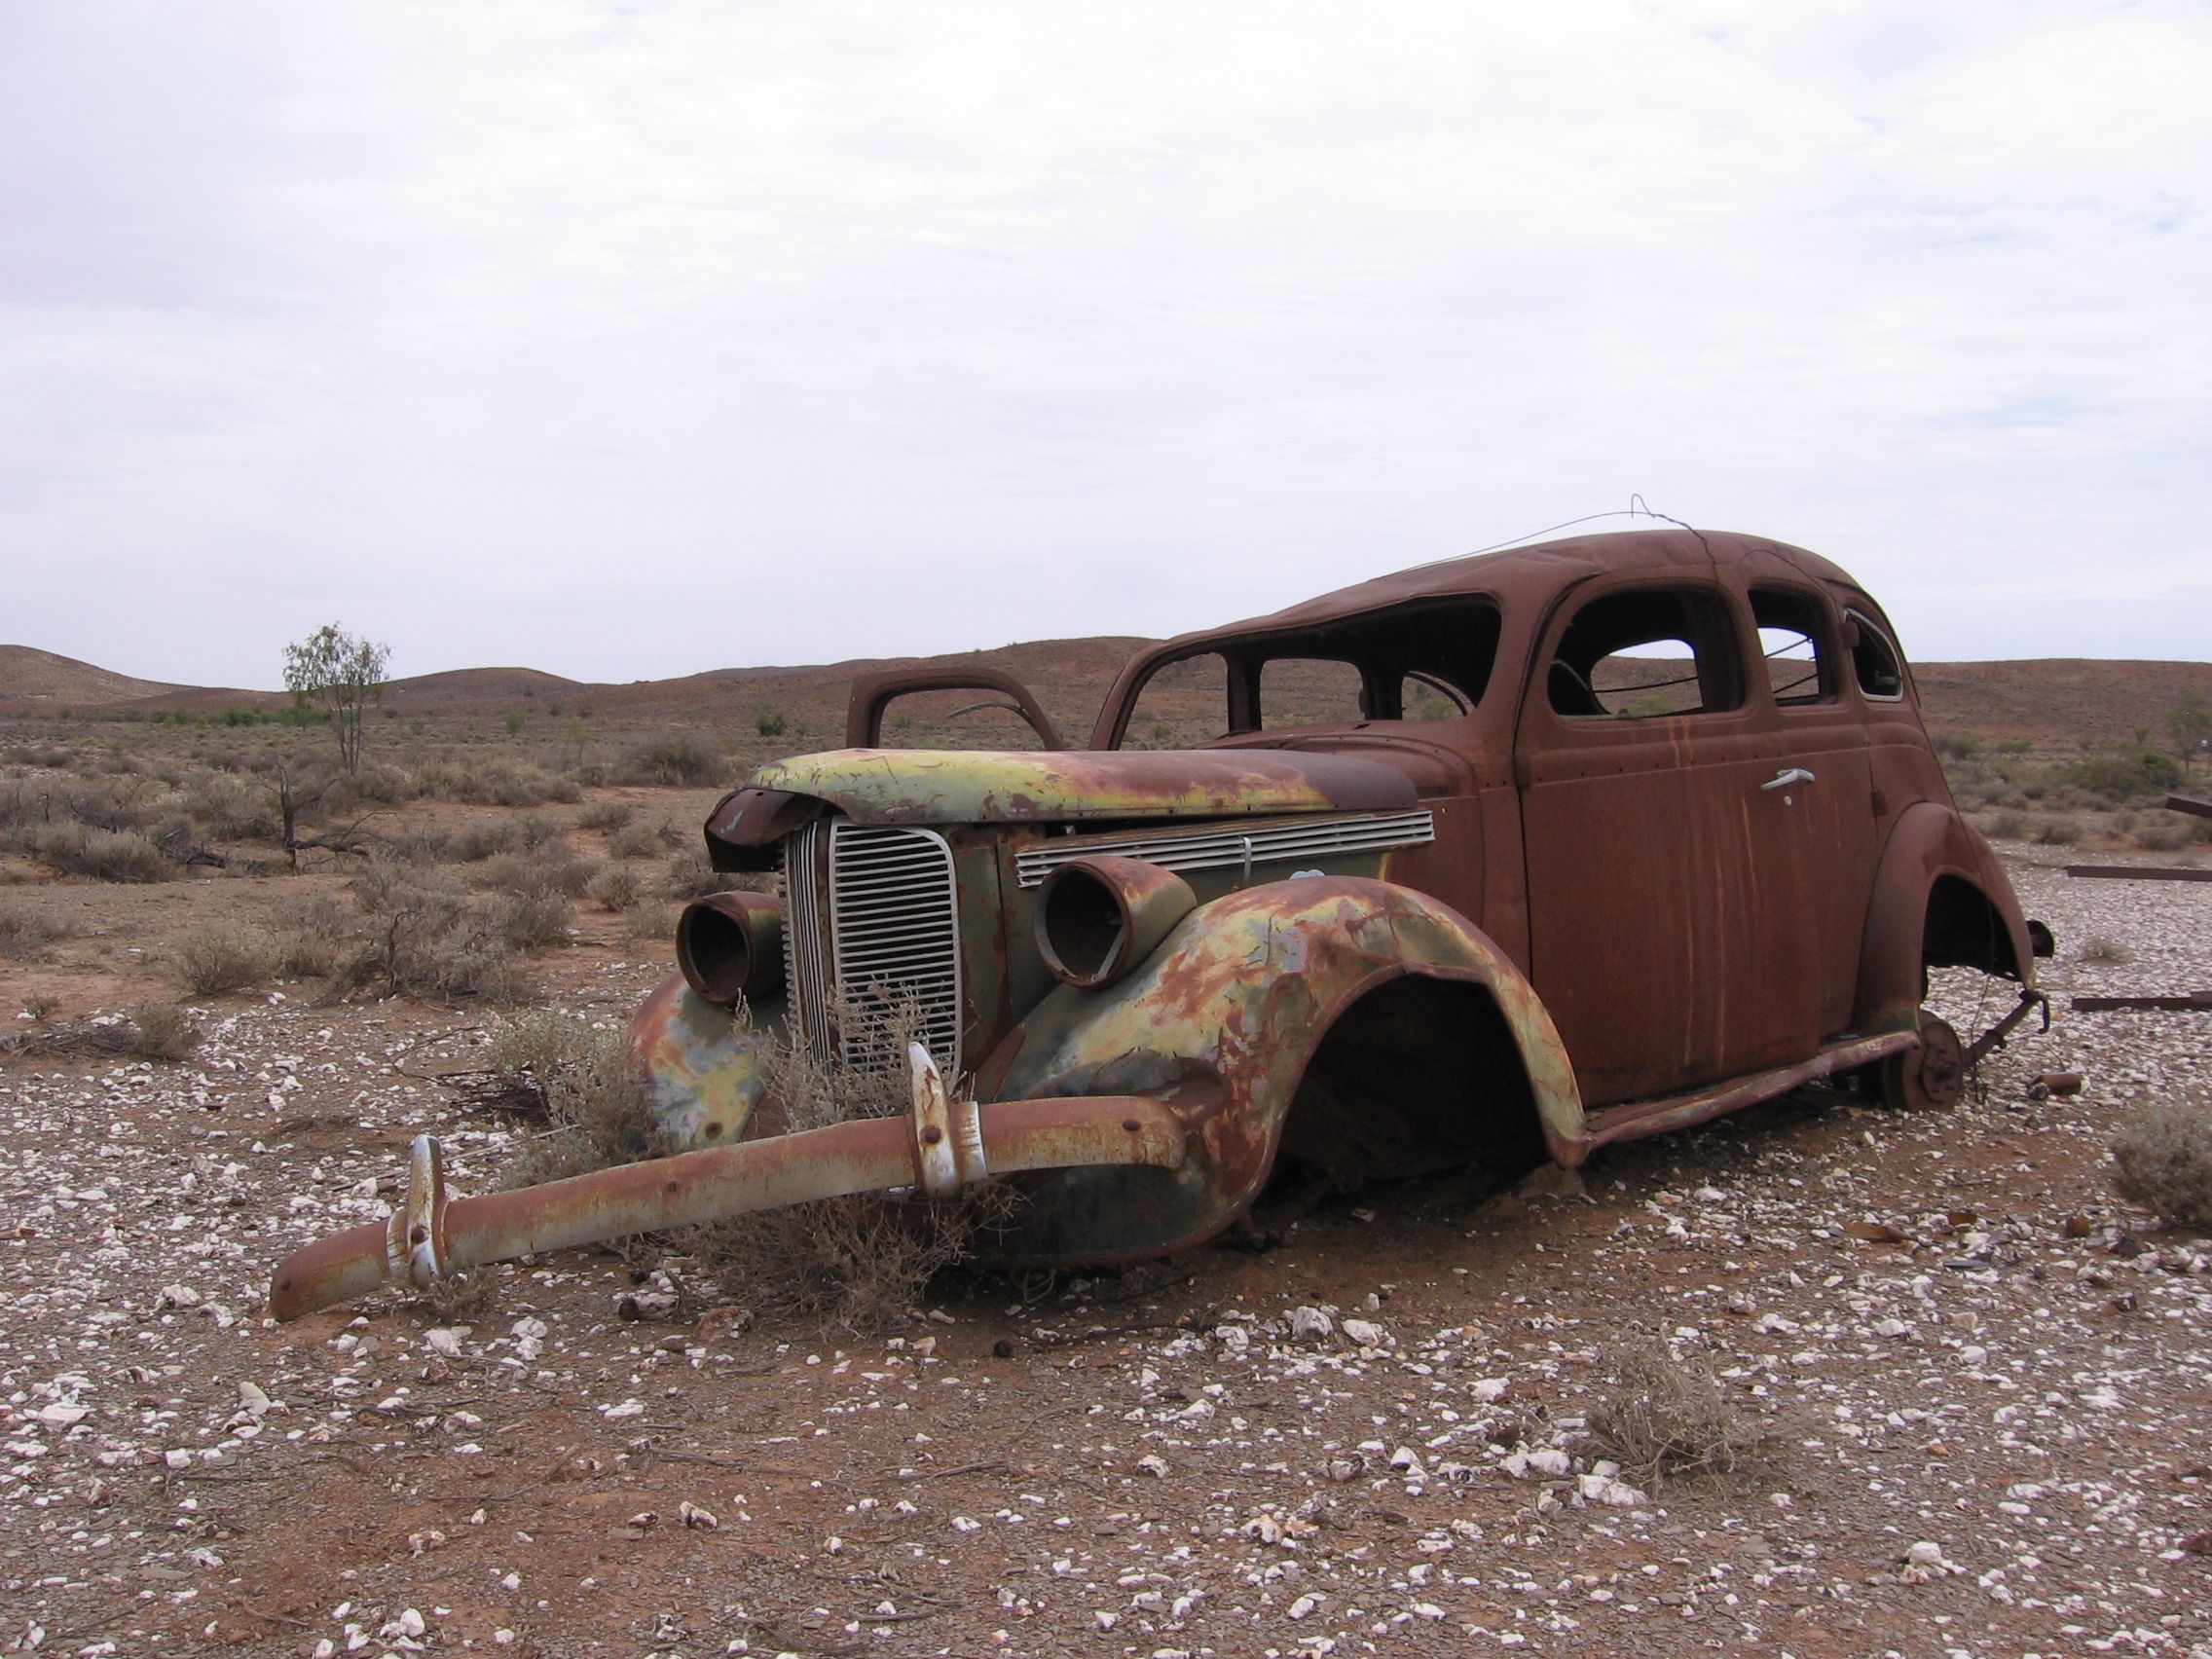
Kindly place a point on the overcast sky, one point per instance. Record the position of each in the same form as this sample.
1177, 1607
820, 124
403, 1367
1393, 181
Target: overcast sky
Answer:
625, 341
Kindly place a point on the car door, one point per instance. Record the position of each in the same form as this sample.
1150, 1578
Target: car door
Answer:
1829, 799
1666, 883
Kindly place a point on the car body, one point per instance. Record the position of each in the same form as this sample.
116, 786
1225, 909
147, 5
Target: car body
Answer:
1505, 857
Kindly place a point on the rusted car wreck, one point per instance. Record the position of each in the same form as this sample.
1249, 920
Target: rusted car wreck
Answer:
1604, 837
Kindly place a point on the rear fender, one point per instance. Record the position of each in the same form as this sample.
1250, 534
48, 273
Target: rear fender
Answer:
1221, 1022
1929, 844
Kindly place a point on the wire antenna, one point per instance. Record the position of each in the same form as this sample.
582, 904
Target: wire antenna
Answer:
1635, 508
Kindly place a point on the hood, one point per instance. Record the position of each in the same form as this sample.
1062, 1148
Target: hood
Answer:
971, 785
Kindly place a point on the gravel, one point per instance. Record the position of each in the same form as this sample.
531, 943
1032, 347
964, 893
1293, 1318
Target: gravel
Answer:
1973, 1383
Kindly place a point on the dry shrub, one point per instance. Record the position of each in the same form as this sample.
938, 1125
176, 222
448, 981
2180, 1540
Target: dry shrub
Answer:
483, 838
495, 782
151, 1031
1662, 1416
418, 846
314, 934
615, 886
2010, 824
605, 815
2107, 951
2058, 832
2162, 1160
690, 875
859, 1262
104, 855
423, 937
642, 840
531, 920
582, 1078
554, 870
223, 957
674, 759
23, 931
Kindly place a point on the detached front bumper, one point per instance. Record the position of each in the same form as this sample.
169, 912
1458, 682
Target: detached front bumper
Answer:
937, 1147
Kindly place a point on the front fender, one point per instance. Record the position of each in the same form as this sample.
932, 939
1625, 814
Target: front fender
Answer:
704, 1070
1222, 1021
1928, 842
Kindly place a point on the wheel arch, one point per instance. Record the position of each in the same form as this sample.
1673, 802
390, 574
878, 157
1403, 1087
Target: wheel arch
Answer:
1226, 1020
1940, 900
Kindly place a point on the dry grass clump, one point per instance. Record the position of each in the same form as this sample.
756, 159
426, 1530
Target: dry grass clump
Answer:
642, 840
23, 932
551, 870
531, 920
673, 760
313, 934
151, 1031
483, 838
105, 855
859, 1262
422, 937
615, 886
1662, 1416
581, 1078
606, 816
224, 957
2058, 832
2107, 951
2162, 1160
692, 875
495, 782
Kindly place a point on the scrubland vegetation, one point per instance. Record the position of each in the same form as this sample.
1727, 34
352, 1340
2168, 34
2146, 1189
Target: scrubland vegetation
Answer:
454, 853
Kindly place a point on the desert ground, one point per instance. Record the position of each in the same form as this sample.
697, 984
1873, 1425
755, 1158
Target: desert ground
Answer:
1963, 1390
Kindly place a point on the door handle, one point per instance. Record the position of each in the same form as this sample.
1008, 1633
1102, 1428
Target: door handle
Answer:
1783, 779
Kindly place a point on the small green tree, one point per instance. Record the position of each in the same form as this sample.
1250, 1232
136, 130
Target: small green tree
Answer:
2190, 723
341, 675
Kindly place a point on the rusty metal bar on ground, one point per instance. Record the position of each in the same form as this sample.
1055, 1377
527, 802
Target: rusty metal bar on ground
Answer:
2186, 1002
2140, 872
2189, 803
940, 1147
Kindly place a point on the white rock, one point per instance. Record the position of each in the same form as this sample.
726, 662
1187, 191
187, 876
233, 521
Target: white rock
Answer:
1153, 1463
1366, 1333
1310, 1325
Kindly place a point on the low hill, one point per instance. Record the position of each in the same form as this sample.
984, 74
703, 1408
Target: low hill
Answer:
32, 676
2051, 702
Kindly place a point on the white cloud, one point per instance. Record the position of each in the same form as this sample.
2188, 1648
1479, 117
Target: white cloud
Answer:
631, 341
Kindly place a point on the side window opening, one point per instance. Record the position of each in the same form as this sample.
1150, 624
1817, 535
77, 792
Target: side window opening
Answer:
1643, 653
1425, 696
1310, 692
1183, 704
1875, 662
1791, 631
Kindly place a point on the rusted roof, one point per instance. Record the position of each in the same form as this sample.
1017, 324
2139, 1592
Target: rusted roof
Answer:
1533, 574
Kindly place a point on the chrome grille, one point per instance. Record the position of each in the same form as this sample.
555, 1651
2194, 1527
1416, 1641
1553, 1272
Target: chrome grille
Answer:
806, 979
873, 920
1229, 846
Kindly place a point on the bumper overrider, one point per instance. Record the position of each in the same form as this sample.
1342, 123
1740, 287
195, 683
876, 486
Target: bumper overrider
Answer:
937, 1147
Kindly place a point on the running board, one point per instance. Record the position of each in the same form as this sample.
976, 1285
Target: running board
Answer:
1635, 1119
